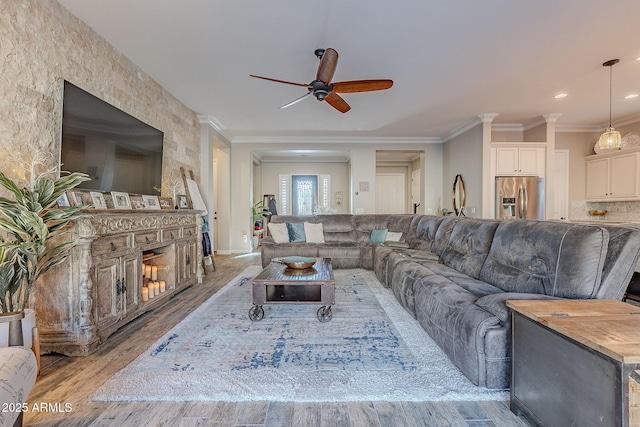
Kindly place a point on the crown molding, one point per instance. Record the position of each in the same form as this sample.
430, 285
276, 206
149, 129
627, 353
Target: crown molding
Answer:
488, 117
507, 127
215, 124
627, 121
464, 128
332, 140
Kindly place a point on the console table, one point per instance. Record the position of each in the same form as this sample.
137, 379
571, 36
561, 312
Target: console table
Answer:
98, 288
576, 362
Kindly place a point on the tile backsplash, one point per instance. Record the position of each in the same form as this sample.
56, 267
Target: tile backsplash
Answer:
616, 211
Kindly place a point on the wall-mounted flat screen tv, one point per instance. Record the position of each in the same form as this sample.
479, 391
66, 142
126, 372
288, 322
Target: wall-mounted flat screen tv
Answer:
118, 151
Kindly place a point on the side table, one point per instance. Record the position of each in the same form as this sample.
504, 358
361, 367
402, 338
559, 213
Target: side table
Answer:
576, 362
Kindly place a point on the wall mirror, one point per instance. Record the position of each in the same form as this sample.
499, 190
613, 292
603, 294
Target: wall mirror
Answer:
459, 196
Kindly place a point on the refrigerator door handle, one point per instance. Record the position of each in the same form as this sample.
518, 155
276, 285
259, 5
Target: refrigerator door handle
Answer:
524, 202
521, 202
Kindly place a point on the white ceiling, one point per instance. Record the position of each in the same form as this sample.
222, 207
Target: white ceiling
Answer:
450, 61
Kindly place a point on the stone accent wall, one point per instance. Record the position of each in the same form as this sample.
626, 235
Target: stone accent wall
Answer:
42, 44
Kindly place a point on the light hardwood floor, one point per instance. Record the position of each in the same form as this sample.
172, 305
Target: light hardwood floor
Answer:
61, 395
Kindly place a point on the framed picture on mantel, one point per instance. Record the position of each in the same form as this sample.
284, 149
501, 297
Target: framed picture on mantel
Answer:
120, 200
98, 200
183, 202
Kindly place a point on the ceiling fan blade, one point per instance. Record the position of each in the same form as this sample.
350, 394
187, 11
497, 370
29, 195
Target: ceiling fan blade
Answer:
295, 101
362, 86
337, 102
327, 66
280, 81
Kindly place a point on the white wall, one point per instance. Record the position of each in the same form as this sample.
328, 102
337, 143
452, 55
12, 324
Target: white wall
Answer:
463, 155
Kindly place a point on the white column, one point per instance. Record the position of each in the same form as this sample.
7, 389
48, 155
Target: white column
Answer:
549, 184
487, 179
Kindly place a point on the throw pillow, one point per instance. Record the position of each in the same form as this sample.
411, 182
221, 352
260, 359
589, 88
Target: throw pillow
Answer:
378, 236
393, 236
279, 232
296, 232
314, 232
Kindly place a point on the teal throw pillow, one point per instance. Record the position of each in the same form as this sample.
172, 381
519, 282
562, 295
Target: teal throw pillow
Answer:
378, 236
296, 232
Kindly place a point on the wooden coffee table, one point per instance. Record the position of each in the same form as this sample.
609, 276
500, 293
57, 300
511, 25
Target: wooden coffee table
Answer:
278, 284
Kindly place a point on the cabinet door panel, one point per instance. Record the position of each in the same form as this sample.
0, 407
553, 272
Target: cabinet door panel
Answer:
181, 265
597, 179
131, 277
506, 161
624, 176
106, 294
530, 160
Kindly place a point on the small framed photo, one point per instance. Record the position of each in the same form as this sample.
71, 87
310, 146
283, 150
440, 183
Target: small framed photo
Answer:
63, 201
120, 200
166, 202
78, 198
98, 200
183, 203
151, 202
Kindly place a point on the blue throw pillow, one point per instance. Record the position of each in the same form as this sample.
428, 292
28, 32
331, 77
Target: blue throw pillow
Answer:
296, 232
378, 236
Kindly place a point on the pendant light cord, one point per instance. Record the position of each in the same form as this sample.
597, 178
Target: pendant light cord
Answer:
610, 90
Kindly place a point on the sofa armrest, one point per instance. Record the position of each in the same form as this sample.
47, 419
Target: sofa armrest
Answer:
496, 303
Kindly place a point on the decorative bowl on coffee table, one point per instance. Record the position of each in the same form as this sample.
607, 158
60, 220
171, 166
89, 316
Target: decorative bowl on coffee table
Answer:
298, 262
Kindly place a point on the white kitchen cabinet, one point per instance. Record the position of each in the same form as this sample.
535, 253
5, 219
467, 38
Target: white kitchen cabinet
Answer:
520, 161
613, 176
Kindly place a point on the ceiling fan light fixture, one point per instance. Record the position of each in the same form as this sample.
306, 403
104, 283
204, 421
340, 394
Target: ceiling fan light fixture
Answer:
611, 138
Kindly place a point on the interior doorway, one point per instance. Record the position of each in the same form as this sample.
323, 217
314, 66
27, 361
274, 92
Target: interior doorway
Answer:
399, 181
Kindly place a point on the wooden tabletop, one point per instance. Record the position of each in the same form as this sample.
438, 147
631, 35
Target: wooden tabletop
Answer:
277, 273
607, 326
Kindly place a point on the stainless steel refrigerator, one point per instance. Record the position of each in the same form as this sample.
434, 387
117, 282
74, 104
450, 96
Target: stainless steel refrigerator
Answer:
519, 197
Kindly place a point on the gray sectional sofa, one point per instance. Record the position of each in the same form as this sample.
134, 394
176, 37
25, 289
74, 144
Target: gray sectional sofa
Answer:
454, 275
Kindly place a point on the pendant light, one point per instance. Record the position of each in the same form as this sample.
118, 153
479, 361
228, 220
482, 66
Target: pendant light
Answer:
610, 139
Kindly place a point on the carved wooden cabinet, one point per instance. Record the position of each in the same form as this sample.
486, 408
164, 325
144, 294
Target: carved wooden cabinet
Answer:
98, 289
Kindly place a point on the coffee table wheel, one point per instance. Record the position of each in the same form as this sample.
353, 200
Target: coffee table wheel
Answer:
324, 313
256, 313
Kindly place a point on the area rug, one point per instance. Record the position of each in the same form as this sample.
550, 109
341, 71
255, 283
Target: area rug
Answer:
371, 350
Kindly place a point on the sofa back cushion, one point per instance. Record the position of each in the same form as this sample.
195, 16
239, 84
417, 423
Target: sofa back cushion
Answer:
619, 265
443, 234
338, 228
551, 258
426, 232
469, 245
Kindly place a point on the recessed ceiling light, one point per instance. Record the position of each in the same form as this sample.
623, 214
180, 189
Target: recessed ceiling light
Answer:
631, 96
560, 96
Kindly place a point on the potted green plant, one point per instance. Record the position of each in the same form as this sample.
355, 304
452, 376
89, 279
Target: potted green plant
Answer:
28, 223
258, 212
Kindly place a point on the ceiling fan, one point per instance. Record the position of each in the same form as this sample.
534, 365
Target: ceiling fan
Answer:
324, 90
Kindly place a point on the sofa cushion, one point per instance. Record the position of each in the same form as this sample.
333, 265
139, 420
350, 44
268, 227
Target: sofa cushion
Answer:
620, 262
337, 228
279, 232
296, 232
469, 245
551, 258
313, 232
